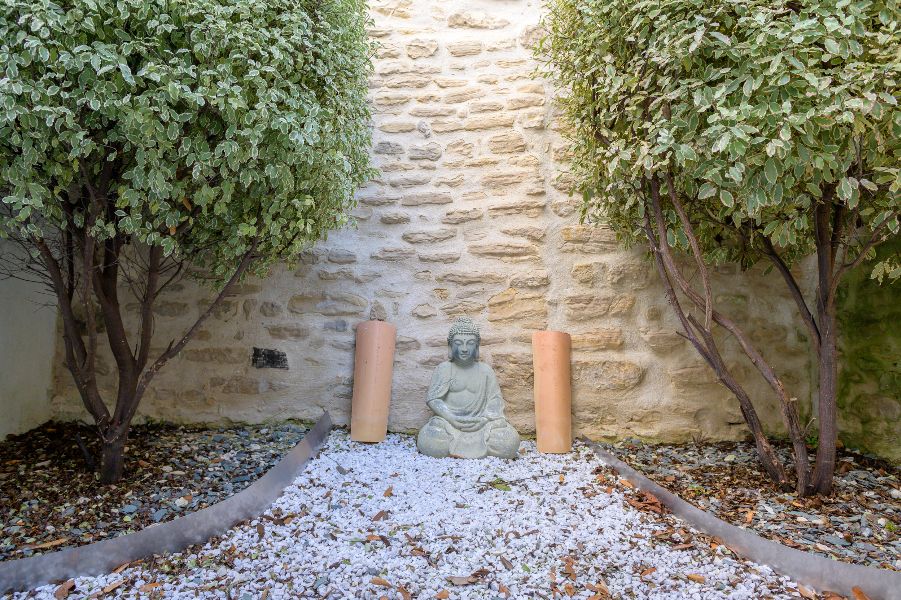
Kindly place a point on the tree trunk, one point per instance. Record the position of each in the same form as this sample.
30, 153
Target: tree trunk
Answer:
113, 457
826, 403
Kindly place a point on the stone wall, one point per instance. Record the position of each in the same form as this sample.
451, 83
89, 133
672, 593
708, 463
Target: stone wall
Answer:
471, 215
27, 330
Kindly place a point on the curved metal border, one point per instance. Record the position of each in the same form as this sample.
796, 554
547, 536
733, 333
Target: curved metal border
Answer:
172, 536
807, 568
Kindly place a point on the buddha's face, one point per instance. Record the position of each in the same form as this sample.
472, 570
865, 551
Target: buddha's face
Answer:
464, 348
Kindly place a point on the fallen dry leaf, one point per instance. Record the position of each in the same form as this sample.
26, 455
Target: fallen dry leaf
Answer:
149, 586
683, 546
601, 588
648, 571
120, 568
807, 593
261, 530
113, 586
443, 595
507, 564
626, 483
63, 590
403, 592
379, 515
749, 517
858, 594
49, 544
697, 578
389, 492
467, 580
380, 581
570, 590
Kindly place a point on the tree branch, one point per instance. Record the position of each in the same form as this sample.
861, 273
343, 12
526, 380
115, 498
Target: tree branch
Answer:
794, 289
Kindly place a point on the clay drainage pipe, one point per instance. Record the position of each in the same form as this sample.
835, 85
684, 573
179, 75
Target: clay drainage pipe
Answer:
373, 367
553, 390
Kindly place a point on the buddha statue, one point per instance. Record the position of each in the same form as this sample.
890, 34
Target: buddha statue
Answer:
466, 399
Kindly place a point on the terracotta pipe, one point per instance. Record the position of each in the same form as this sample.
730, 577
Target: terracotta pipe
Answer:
553, 390
373, 366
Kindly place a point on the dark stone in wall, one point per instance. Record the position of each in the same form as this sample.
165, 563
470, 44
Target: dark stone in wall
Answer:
269, 359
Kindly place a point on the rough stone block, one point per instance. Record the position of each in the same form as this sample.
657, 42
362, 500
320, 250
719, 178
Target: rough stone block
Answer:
613, 375
492, 121
450, 82
426, 198
432, 111
408, 80
587, 273
485, 106
412, 180
430, 151
473, 19
421, 48
504, 249
455, 217
458, 96
288, 331
396, 126
590, 239
531, 208
270, 309
522, 308
341, 257
533, 279
388, 148
394, 217
424, 311
465, 48
328, 303
429, 236
470, 277
348, 275
382, 99
507, 143
224, 356
598, 339
439, 257
504, 179
533, 233
525, 101
391, 254
662, 340
462, 307
584, 307
379, 199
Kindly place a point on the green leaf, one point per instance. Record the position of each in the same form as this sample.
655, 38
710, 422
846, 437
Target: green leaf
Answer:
726, 198
771, 171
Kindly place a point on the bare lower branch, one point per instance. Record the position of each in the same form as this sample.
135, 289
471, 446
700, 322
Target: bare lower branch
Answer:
695, 249
794, 289
174, 348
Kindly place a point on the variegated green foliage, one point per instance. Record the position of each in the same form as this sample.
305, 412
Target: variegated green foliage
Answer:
240, 118
758, 108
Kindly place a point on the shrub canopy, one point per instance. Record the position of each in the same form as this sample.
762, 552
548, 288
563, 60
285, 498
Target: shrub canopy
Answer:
207, 122
759, 109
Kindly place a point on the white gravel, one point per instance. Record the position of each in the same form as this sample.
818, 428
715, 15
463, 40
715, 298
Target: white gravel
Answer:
381, 520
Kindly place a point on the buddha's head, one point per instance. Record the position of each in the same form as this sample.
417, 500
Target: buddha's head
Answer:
463, 341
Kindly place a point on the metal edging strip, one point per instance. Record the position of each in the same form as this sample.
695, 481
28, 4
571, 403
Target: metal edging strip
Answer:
173, 536
806, 568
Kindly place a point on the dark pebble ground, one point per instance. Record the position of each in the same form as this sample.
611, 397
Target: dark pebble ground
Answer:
50, 499
860, 523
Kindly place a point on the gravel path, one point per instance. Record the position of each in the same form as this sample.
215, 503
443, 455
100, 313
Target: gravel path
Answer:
372, 521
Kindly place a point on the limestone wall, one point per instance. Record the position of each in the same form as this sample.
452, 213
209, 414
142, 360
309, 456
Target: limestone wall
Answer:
468, 217
27, 330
